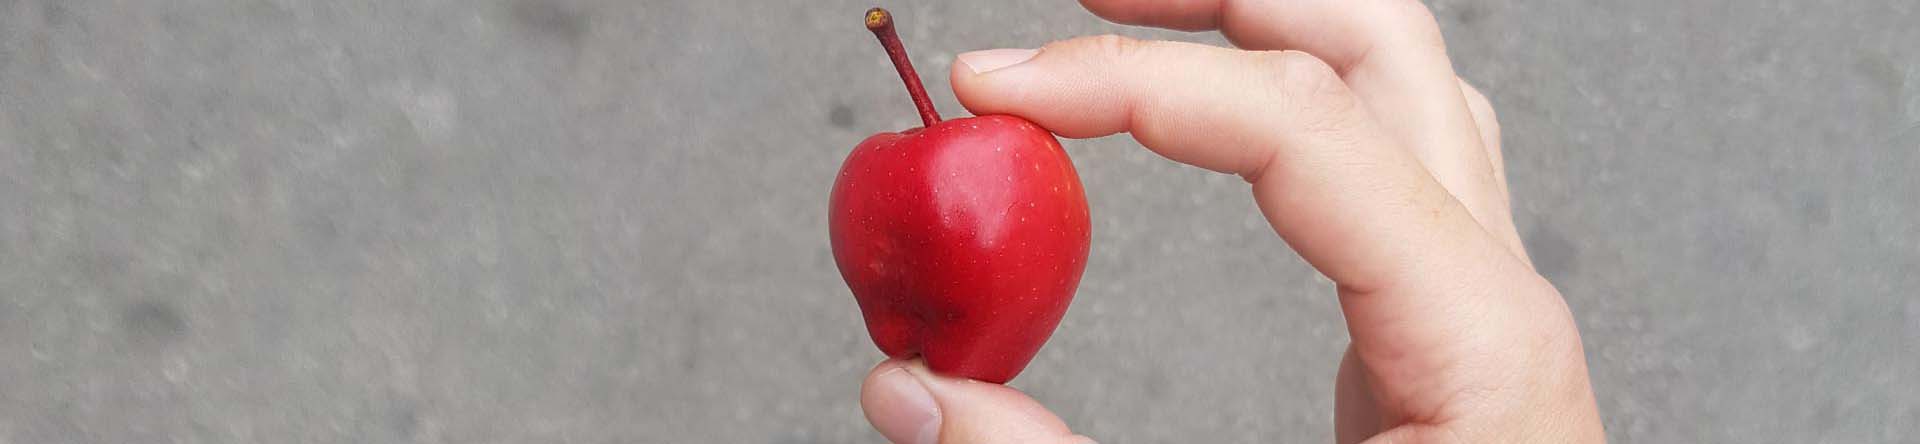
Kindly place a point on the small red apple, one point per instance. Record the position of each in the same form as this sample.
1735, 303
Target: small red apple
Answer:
963, 240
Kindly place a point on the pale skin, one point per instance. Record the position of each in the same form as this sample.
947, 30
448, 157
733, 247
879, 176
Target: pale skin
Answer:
1367, 155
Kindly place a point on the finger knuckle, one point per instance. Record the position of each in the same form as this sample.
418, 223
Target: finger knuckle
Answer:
1310, 83
1300, 66
1320, 105
1109, 47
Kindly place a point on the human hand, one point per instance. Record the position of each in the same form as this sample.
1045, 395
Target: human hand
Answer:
1367, 155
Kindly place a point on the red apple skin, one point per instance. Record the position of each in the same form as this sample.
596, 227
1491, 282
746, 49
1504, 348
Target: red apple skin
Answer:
963, 242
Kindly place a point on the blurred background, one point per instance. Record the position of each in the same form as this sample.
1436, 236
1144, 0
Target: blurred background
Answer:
599, 221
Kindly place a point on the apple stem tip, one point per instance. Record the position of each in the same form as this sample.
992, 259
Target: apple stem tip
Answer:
881, 23
878, 18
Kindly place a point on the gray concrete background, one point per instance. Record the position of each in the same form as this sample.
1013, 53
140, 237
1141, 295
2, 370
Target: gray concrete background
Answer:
601, 221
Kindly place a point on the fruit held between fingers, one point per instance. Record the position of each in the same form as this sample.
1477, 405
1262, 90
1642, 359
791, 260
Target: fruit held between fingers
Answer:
963, 241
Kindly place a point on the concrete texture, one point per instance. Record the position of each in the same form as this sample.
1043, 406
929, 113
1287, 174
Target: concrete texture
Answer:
601, 221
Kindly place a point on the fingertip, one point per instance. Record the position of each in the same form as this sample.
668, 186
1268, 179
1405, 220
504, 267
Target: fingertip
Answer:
954, 410
967, 86
899, 406
981, 79
1064, 87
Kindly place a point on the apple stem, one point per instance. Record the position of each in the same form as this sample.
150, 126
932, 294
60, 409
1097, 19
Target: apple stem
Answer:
881, 23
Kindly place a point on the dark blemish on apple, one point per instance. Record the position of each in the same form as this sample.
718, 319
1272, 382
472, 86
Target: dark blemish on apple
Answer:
552, 19
153, 323
1815, 210
841, 116
1553, 255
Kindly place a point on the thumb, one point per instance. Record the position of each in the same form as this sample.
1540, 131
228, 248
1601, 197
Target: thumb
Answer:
909, 404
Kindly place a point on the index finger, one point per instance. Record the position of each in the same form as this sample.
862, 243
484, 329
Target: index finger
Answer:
1416, 274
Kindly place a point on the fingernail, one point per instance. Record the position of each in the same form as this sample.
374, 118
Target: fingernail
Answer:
912, 416
988, 60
